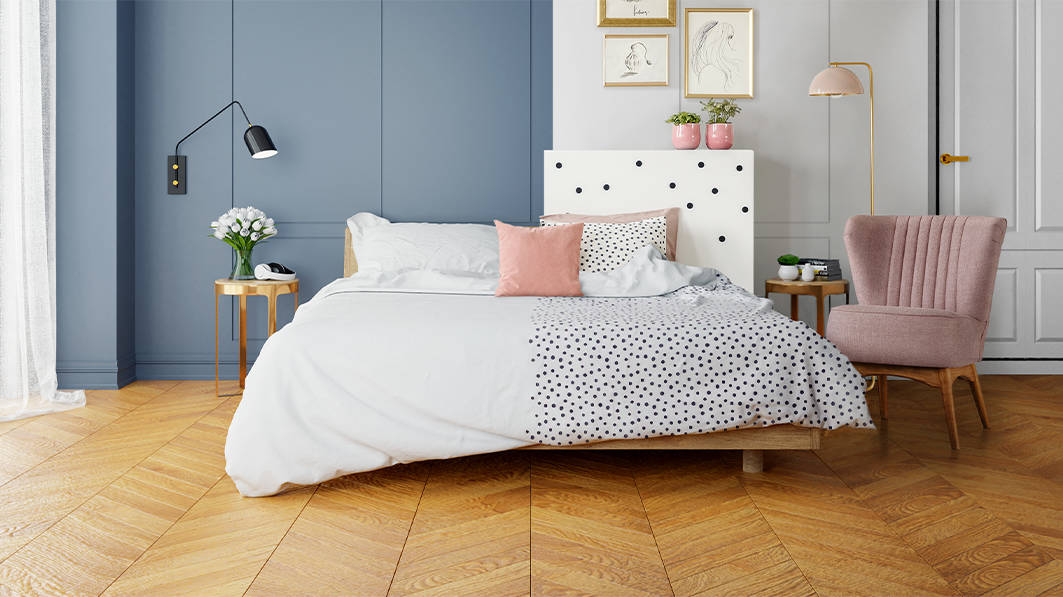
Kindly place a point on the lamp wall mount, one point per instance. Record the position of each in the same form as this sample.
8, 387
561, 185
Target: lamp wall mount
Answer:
177, 167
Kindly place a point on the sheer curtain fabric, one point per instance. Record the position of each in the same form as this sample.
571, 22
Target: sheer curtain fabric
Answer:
28, 384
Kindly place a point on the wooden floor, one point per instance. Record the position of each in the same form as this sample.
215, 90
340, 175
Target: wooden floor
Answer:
129, 496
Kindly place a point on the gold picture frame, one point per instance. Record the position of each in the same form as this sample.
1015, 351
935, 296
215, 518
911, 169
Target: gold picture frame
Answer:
606, 21
731, 77
635, 66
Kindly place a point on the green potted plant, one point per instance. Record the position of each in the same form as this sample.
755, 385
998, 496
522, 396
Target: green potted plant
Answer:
686, 132
719, 132
788, 267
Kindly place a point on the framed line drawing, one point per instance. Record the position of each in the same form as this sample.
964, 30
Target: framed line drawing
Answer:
635, 60
718, 52
636, 13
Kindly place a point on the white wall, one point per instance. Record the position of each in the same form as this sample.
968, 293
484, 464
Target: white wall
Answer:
812, 152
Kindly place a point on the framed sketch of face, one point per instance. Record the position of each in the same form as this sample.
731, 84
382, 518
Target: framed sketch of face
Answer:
718, 52
635, 60
636, 13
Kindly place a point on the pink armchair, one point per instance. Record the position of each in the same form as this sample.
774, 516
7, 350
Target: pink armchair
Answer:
925, 287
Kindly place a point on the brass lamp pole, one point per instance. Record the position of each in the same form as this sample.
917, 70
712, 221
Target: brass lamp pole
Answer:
836, 80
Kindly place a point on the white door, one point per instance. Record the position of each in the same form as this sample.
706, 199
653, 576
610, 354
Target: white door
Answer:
1000, 91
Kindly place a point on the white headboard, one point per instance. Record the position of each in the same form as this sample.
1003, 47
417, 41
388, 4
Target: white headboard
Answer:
712, 188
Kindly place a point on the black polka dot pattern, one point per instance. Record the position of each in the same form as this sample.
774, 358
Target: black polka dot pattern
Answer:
698, 360
607, 246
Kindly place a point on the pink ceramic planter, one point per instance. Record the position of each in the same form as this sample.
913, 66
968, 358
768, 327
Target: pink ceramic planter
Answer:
719, 136
686, 136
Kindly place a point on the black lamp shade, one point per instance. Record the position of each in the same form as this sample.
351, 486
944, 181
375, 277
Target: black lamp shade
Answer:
259, 143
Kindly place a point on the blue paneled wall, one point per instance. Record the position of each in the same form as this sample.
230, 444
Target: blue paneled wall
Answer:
431, 110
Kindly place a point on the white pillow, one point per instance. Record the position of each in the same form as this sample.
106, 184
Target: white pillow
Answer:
382, 246
607, 246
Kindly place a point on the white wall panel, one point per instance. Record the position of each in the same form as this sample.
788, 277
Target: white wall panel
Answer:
812, 152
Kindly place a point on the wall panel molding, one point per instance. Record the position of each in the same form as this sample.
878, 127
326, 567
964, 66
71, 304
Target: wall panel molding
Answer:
327, 92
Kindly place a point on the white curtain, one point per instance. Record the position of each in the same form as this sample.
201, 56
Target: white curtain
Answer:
28, 383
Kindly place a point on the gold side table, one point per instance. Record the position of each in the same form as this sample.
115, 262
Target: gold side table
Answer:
816, 288
270, 289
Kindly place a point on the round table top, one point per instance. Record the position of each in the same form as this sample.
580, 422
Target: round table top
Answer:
816, 287
227, 286
800, 282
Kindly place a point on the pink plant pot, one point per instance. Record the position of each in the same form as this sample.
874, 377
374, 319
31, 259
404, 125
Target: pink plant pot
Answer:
686, 136
719, 136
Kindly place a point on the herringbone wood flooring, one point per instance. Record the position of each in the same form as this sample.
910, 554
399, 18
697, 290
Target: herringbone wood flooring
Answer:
129, 496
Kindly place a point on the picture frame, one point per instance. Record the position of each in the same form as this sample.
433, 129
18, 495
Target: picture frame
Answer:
634, 60
636, 13
718, 55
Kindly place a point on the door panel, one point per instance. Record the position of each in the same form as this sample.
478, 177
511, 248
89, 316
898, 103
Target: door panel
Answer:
999, 63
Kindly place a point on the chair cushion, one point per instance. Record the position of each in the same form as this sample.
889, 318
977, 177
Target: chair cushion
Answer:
905, 336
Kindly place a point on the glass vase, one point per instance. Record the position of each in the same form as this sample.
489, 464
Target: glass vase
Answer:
243, 268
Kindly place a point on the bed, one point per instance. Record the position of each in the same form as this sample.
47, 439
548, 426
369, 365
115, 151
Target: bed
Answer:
382, 368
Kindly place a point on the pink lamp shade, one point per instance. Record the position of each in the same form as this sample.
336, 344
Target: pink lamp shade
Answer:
836, 80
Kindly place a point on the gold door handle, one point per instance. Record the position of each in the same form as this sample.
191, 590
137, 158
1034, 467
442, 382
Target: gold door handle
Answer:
947, 158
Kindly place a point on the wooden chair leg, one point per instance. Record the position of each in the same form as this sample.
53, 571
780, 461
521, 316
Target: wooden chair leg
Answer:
883, 397
979, 400
950, 407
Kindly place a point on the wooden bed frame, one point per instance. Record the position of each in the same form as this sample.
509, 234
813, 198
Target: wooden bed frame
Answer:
752, 442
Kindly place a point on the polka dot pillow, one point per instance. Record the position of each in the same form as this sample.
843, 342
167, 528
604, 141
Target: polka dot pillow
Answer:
608, 246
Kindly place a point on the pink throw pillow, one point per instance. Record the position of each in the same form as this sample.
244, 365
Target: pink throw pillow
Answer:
538, 261
670, 214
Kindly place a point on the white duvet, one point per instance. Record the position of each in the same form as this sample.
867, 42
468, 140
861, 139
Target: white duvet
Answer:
385, 368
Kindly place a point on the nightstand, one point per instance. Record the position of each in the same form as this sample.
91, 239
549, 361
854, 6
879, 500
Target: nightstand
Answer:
270, 289
816, 288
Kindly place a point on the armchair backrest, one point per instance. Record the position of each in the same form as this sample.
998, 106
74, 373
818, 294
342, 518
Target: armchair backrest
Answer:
933, 262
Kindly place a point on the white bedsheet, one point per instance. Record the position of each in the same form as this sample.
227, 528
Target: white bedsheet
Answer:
385, 368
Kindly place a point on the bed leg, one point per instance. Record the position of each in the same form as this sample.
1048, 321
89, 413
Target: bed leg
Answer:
753, 461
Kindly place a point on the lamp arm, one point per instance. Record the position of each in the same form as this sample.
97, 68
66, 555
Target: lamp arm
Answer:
177, 148
871, 87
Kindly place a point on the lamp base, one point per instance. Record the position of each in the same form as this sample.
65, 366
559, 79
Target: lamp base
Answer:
177, 175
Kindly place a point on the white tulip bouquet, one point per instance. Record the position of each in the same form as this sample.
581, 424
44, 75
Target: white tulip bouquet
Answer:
242, 228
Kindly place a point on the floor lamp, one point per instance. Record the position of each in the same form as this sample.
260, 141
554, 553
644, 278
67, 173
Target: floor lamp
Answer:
836, 80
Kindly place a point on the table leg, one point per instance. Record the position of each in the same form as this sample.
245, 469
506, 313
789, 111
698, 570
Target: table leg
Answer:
819, 314
243, 339
793, 307
271, 322
296, 293
216, 343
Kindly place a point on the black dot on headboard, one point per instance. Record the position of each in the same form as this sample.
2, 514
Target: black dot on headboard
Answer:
722, 238
605, 187
579, 189
745, 210
558, 165
715, 190
671, 185
701, 164
738, 167
638, 163
690, 206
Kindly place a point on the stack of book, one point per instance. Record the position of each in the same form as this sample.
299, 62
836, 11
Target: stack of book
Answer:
826, 269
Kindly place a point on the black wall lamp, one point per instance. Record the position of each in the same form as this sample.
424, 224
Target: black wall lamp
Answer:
256, 138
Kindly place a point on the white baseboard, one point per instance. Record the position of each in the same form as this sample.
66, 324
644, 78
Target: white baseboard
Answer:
1020, 367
